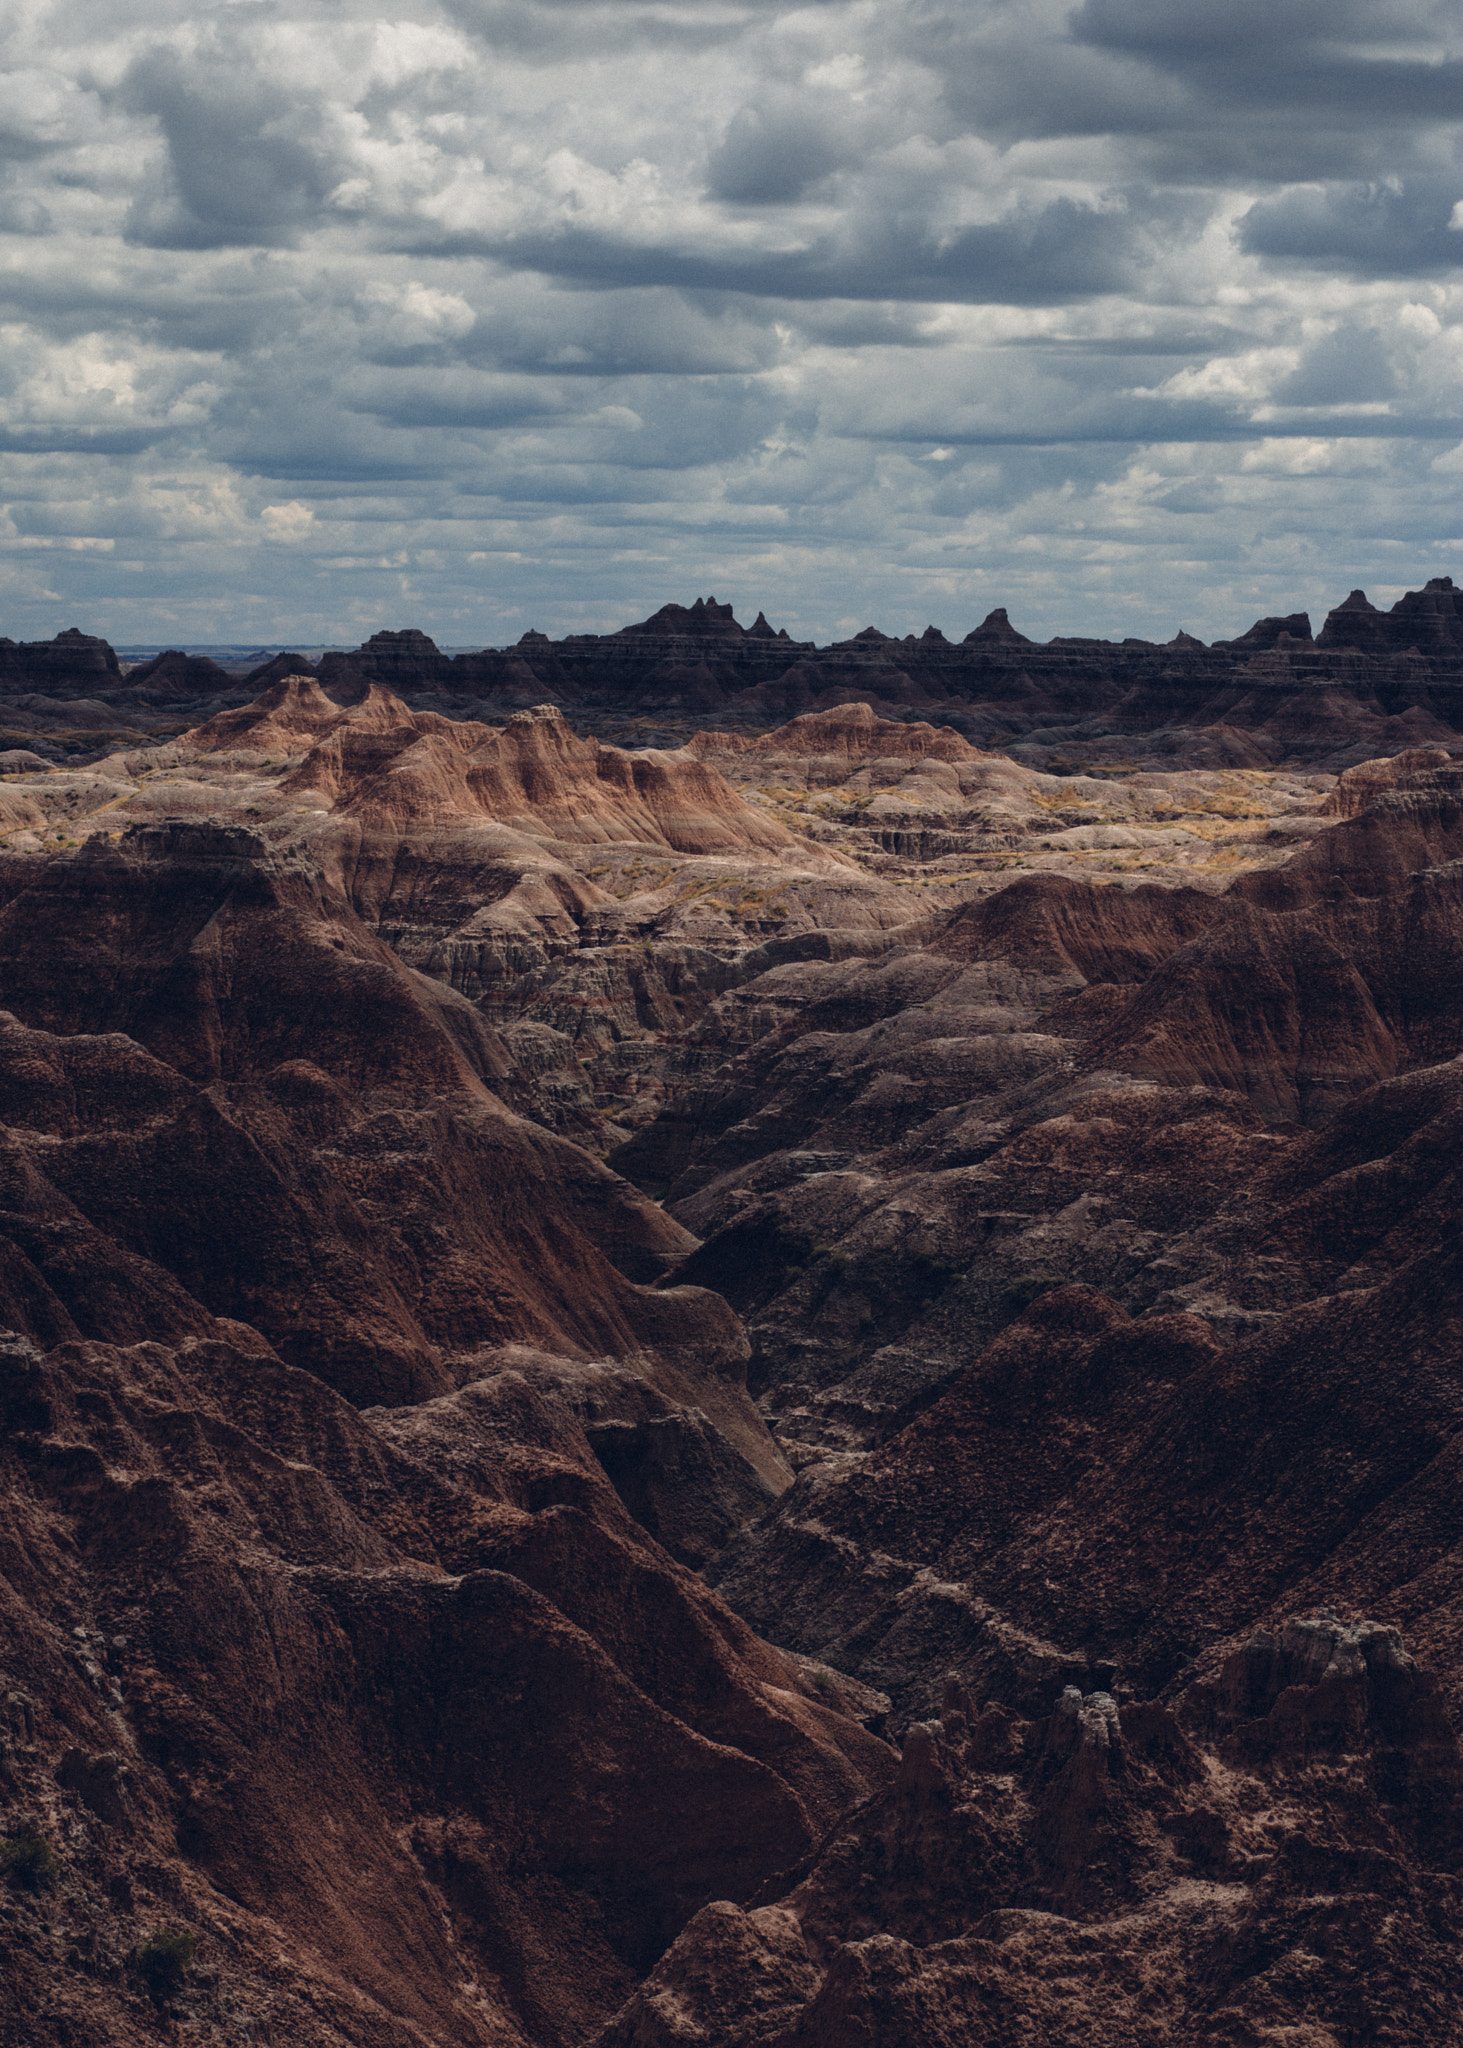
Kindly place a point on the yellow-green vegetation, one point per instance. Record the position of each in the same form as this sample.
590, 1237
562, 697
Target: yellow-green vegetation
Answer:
1061, 799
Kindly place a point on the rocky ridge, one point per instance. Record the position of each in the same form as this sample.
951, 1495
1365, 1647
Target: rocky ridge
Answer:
1136, 1875
1370, 682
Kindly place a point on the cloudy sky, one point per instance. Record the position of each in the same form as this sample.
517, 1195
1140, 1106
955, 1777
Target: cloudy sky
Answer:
485, 314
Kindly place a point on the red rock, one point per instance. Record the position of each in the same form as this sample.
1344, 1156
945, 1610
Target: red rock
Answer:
1099, 1258
845, 735
1356, 787
396, 769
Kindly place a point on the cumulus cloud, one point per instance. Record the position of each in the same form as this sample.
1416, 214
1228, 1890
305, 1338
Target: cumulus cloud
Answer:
247, 161
510, 312
1392, 228
775, 149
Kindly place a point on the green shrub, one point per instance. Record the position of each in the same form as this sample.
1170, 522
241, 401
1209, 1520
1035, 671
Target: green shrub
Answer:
28, 1861
163, 1960
932, 1275
823, 1680
1020, 1294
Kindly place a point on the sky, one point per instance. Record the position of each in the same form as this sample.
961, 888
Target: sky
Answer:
487, 315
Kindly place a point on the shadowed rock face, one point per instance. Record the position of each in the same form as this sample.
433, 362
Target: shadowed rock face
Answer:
175, 675
1133, 1874
1011, 1258
258, 1181
242, 1086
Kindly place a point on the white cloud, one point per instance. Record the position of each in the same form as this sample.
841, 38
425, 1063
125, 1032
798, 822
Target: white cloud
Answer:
288, 522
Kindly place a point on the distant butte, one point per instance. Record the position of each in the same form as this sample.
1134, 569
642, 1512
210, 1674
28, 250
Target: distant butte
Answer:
1368, 683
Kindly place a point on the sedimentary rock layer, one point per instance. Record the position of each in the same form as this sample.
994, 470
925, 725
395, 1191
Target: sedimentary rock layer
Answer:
563, 1298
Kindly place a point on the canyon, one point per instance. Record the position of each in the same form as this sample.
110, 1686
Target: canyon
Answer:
716, 1344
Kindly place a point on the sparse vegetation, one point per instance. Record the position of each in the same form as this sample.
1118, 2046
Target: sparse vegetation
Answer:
164, 1958
28, 1861
932, 1275
1020, 1293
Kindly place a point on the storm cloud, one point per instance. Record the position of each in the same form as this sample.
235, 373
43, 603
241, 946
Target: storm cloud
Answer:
482, 314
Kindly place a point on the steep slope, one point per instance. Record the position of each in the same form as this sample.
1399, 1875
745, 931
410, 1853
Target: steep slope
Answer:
392, 1706
215, 1064
397, 1713
1270, 1856
398, 769
1095, 1231
1054, 1081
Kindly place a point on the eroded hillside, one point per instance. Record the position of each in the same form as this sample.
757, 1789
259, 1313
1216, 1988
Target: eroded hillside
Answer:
496, 1218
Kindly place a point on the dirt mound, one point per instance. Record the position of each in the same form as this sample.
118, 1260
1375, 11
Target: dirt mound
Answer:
845, 735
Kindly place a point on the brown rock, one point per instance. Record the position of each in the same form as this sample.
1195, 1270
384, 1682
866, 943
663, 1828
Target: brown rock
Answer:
1134, 1876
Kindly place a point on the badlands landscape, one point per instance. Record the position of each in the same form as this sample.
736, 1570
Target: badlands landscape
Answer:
719, 1344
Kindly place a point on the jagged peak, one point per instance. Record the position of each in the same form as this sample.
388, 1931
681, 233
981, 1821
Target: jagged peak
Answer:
996, 626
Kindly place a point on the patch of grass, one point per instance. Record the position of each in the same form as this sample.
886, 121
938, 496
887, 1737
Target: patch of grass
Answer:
933, 1275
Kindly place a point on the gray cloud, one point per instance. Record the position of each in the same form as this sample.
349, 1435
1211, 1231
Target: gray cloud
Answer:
777, 149
492, 313
1041, 255
21, 213
1349, 366
1237, 90
1393, 229
1306, 57
246, 163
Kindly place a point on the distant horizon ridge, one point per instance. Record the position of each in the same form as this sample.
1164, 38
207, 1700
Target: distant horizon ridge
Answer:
705, 616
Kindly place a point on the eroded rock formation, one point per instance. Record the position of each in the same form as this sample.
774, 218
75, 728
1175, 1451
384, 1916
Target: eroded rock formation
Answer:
1118, 1875
564, 1296
1370, 682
